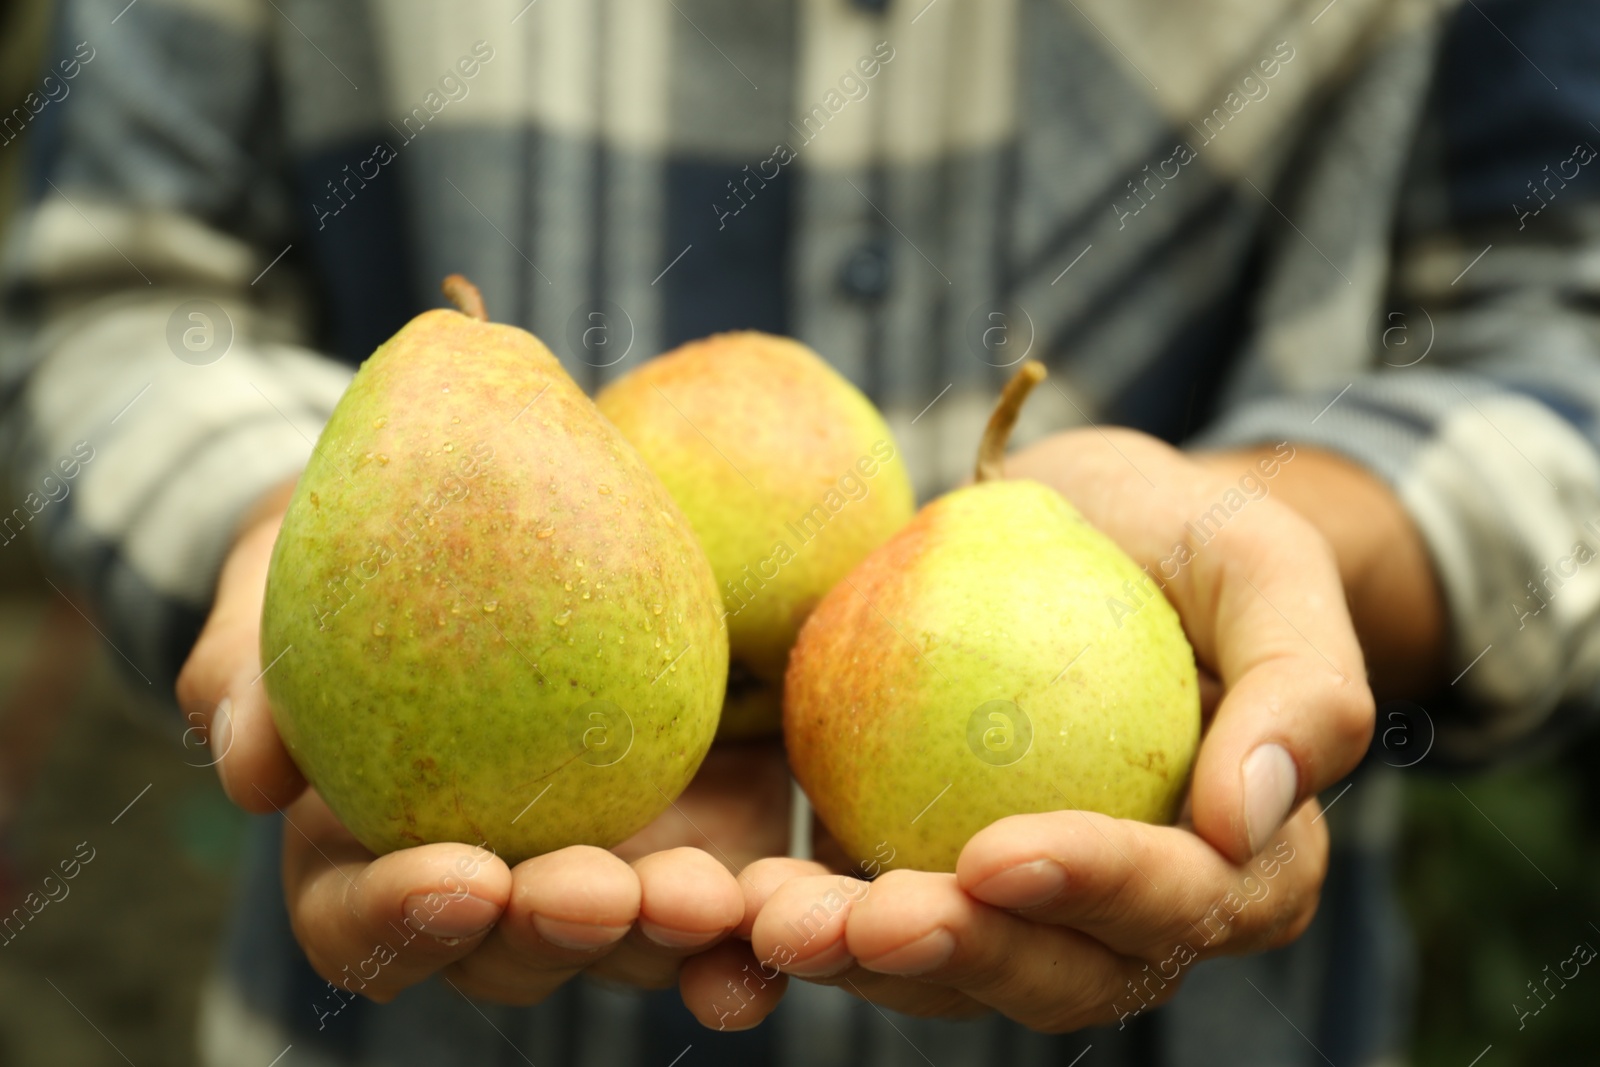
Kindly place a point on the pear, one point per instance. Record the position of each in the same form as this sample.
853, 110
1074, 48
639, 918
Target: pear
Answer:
486, 620
788, 475
970, 669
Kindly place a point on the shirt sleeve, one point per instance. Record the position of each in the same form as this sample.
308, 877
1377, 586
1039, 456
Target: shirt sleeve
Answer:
156, 374
1478, 403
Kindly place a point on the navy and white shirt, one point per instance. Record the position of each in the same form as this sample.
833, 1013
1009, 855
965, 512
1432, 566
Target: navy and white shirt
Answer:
1370, 226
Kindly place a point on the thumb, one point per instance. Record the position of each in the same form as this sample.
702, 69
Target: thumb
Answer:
1297, 714
378, 925
220, 689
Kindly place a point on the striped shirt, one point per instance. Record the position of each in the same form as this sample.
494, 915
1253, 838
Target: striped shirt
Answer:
1368, 226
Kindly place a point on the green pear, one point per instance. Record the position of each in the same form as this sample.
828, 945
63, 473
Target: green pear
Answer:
971, 668
788, 475
486, 620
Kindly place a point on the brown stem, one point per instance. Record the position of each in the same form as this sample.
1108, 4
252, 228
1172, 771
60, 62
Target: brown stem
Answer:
992, 449
465, 296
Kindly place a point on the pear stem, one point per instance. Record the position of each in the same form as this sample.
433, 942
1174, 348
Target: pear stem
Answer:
992, 449
465, 296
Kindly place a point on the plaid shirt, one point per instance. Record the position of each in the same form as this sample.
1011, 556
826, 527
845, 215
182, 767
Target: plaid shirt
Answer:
1366, 225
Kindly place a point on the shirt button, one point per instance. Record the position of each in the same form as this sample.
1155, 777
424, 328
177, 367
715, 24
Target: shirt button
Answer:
865, 271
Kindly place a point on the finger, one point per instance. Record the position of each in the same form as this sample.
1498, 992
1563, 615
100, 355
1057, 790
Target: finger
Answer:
801, 926
1140, 889
800, 929
255, 768
915, 924
376, 926
1297, 713
567, 910
687, 898
688, 902
763, 878
221, 693
909, 996
728, 988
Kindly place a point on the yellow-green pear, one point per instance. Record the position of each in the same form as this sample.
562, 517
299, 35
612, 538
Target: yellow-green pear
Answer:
788, 475
486, 620
970, 669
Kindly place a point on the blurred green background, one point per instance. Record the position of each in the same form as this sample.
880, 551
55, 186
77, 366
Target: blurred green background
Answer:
111, 973
1487, 921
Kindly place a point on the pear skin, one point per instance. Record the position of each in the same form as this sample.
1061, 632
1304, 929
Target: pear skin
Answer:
974, 667
788, 475
486, 620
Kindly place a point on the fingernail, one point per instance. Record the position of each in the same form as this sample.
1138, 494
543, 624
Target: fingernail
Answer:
1270, 785
927, 952
667, 937
832, 960
1027, 885
221, 732
580, 937
450, 917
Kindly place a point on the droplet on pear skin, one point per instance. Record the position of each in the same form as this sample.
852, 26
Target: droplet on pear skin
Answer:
378, 629
380, 422
490, 606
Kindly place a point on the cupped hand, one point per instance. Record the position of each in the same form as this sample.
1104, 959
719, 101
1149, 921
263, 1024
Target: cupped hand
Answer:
375, 925
1058, 921
1067, 919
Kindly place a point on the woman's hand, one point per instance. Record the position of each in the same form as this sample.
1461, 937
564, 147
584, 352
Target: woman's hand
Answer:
1069, 919
375, 925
